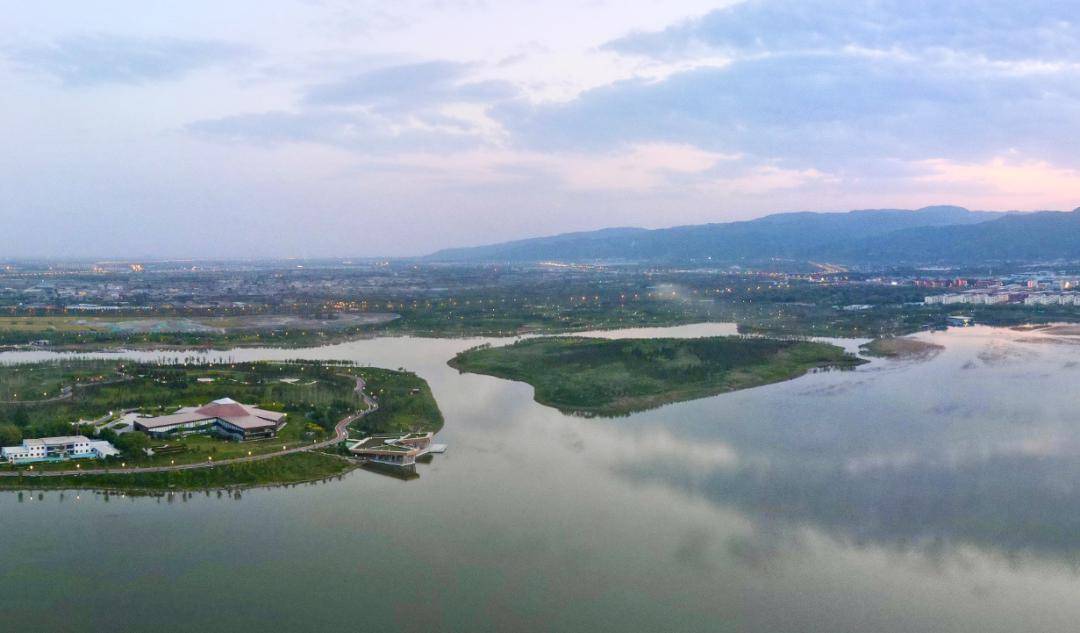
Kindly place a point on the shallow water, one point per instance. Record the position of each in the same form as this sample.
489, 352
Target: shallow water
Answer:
903, 496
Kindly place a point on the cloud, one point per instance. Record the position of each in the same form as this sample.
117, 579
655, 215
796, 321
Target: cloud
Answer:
1037, 29
426, 107
88, 60
654, 170
410, 87
643, 167
355, 131
809, 98
763, 106
1025, 183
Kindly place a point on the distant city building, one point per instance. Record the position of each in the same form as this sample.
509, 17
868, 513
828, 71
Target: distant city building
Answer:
1047, 298
225, 417
997, 298
57, 449
88, 307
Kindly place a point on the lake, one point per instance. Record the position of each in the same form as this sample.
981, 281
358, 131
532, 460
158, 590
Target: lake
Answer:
937, 495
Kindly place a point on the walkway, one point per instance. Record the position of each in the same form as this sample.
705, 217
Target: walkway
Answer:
341, 433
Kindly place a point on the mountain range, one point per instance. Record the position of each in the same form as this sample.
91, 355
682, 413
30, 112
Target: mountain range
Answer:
945, 235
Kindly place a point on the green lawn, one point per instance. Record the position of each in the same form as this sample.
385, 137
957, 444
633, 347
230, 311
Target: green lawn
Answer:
616, 377
405, 403
314, 395
320, 395
29, 383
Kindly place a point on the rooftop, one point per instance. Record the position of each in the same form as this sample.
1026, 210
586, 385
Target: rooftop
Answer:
240, 415
62, 439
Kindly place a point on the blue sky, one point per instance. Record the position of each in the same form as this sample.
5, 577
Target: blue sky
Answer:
346, 128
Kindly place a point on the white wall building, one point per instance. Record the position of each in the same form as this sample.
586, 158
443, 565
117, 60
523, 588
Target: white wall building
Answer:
56, 449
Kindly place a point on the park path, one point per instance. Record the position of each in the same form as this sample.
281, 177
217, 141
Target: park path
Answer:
341, 433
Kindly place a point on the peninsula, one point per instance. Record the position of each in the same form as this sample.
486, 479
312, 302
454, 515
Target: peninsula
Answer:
178, 426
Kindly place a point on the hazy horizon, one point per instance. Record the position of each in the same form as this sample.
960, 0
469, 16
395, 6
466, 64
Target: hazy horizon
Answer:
327, 128
129, 257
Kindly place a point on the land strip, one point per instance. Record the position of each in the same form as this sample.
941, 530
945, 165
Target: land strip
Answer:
589, 376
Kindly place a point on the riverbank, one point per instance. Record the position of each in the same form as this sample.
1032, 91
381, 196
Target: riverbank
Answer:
616, 377
286, 469
399, 326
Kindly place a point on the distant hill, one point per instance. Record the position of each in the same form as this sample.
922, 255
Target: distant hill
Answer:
602, 244
1019, 237
940, 234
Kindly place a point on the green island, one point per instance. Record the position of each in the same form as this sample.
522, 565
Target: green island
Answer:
901, 348
602, 377
100, 399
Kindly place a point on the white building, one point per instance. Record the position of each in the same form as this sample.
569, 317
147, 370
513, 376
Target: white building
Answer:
57, 449
1045, 299
975, 298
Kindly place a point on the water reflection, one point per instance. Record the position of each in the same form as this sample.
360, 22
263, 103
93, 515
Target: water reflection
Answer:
235, 493
907, 456
903, 496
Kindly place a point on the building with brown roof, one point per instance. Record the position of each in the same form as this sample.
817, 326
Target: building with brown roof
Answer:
225, 417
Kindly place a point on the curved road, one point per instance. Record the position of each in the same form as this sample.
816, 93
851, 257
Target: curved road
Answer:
341, 433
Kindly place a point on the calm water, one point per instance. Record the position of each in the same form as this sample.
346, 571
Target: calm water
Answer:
905, 496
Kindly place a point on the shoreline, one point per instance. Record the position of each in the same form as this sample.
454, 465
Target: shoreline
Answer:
348, 466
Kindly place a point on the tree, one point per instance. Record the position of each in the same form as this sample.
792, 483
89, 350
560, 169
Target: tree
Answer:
133, 444
20, 418
53, 428
10, 435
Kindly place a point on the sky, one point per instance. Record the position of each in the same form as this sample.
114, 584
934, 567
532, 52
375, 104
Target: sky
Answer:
311, 128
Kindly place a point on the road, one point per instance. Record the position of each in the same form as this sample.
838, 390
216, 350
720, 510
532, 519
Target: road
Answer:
341, 433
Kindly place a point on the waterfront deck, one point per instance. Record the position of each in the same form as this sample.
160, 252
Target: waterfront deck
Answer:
395, 450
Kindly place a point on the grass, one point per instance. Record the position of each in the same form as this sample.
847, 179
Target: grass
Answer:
617, 377
405, 403
320, 397
321, 394
29, 383
287, 469
48, 324
901, 348
182, 332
